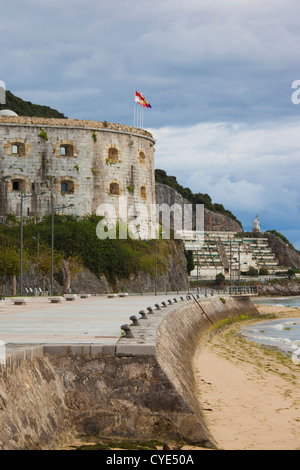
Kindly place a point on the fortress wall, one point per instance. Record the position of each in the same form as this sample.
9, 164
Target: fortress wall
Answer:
142, 388
87, 168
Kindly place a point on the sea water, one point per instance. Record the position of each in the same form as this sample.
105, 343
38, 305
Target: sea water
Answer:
282, 334
279, 301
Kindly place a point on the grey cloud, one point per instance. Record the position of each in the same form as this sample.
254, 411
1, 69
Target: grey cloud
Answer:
218, 75
247, 168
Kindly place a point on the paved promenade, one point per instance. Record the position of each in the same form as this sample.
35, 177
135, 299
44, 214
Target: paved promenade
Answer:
95, 320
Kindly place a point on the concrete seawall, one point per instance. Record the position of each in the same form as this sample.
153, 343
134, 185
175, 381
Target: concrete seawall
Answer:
139, 388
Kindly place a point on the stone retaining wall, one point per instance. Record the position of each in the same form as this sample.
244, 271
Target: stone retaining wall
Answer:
141, 388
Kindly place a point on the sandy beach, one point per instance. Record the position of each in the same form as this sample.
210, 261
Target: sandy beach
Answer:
250, 395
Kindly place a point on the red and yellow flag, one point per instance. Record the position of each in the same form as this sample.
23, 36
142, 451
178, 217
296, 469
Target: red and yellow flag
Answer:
139, 98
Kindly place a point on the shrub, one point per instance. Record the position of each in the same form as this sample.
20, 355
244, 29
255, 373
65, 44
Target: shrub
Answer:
43, 134
252, 271
220, 278
263, 271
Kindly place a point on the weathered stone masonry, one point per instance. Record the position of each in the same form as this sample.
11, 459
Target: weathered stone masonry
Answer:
85, 163
140, 388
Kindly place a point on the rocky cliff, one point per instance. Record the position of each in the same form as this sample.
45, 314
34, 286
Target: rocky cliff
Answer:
213, 221
282, 288
285, 255
173, 277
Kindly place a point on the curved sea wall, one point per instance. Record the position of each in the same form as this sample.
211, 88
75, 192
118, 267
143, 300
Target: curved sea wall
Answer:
141, 388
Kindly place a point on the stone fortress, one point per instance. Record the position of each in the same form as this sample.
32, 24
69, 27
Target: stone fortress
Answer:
75, 162
85, 164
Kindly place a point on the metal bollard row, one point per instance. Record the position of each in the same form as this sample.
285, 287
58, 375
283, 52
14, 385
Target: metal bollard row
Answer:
144, 316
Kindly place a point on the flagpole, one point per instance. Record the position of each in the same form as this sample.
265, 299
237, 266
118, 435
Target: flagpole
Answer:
134, 112
138, 111
140, 114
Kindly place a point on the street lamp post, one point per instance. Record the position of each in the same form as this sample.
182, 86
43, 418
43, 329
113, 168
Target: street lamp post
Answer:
239, 245
21, 232
155, 289
197, 270
53, 209
156, 263
230, 268
37, 238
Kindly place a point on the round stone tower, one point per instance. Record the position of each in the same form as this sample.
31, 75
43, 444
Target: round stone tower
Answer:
83, 163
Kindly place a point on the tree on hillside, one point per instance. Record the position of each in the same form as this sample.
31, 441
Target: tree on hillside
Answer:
45, 263
220, 278
9, 265
71, 267
26, 108
290, 273
190, 261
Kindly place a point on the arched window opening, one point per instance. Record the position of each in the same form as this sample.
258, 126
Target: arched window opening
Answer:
113, 154
67, 187
143, 192
17, 185
66, 150
142, 157
114, 188
18, 149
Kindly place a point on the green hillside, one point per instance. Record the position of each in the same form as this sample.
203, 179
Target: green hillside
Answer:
26, 108
76, 242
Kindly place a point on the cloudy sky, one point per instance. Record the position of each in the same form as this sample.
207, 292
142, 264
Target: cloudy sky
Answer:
218, 75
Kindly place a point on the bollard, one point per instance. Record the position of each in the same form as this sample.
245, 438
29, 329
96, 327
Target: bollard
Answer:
175, 300
134, 320
181, 298
170, 301
127, 330
150, 310
144, 315
164, 304
157, 307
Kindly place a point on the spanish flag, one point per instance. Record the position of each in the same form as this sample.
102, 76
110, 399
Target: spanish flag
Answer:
139, 98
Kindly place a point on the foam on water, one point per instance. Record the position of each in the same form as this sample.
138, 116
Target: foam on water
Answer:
279, 301
284, 334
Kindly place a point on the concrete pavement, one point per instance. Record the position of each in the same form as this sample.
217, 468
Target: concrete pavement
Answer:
95, 320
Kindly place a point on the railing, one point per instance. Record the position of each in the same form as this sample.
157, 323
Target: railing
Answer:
231, 290
209, 291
